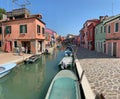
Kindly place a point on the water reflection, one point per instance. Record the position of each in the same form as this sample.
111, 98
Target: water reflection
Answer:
31, 81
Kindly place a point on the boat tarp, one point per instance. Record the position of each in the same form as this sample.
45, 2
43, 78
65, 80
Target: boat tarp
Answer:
64, 88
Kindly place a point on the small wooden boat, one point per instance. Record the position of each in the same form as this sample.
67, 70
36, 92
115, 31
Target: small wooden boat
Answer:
65, 85
66, 62
59, 46
31, 59
46, 52
6, 68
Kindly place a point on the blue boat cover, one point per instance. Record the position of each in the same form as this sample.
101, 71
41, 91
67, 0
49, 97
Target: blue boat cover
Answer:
63, 88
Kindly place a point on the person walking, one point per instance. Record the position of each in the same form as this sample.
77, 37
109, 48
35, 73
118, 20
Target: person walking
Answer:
17, 50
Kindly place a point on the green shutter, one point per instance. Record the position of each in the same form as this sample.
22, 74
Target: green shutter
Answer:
7, 30
43, 31
25, 28
0, 30
20, 28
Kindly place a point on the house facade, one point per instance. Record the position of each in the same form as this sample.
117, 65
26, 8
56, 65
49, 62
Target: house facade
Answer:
113, 36
87, 33
23, 30
100, 35
50, 37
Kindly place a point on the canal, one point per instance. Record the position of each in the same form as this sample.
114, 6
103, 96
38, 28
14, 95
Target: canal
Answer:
31, 81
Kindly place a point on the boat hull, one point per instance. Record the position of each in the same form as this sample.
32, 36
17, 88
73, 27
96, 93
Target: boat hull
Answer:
66, 62
6, 68
4, 74
65, 85
31, 59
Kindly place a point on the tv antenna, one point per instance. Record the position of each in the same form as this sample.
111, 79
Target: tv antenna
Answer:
21, 4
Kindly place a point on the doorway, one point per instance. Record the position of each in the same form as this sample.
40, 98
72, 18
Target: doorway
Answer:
114, 48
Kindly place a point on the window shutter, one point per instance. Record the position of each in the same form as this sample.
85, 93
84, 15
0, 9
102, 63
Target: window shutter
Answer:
0, 30
20, 28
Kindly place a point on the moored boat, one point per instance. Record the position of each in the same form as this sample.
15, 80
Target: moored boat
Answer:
6, 68
68, 53
65, 85
69, 48
66, 62
32, 59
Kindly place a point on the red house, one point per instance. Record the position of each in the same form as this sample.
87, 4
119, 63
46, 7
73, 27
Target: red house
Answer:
87, 33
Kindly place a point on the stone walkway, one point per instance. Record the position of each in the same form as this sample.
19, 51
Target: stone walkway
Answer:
12, 57
102, 72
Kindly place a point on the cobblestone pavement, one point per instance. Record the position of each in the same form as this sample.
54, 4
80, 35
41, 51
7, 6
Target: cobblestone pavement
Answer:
102, 72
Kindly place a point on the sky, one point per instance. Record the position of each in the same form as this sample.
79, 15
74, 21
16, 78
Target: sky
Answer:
67, 16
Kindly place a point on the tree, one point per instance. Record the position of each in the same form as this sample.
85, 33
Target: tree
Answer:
2, 11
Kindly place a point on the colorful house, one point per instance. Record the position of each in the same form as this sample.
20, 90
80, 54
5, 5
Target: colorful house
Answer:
21, 29
87, 33
113, 35
100, 35
50, 37
82, 34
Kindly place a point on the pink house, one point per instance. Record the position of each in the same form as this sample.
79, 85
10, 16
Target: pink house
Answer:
112, 26
51, 36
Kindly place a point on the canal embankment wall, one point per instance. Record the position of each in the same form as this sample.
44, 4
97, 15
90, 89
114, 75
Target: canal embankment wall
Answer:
88, 93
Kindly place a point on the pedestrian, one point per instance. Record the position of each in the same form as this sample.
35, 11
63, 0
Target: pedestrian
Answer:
26, 49
17, 50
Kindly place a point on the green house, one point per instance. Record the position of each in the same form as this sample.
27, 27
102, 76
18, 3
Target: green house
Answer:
100, 36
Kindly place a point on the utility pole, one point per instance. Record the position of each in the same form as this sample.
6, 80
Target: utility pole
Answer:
112, 8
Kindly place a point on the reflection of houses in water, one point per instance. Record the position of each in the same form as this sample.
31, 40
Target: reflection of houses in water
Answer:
43, 60
23, 30
29, 77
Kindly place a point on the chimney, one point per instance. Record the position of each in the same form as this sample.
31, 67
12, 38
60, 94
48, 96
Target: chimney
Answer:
13, 18
106, 17
26, 15
101, 18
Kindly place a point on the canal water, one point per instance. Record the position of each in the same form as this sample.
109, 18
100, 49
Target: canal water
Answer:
31, 81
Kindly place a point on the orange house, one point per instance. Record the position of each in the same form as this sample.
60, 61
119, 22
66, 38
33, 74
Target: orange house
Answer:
27, 32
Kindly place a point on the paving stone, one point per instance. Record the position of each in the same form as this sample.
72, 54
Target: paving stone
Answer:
102, 72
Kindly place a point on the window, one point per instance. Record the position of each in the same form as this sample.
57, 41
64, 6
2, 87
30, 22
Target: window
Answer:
96, 30
101, 29
0, 44
101, 44
109, 29
43, 31
8, 29
23, 28
116, 27
38, 29
91, 33
0, 30
15, 43
104, 29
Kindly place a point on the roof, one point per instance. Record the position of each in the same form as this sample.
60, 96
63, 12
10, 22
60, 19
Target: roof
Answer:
37, 16
50, 31
111, 18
